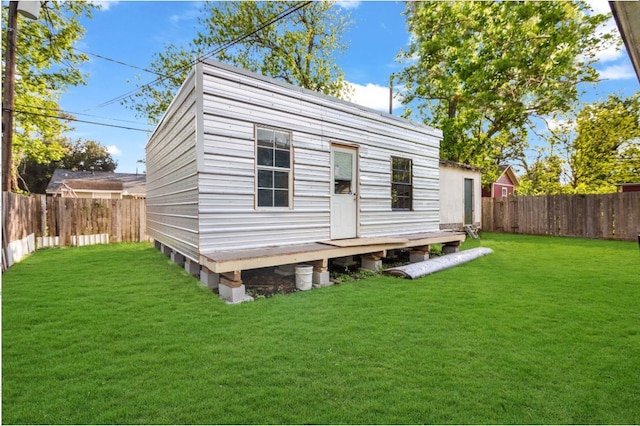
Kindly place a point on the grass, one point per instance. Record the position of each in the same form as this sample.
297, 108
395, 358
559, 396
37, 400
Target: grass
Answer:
546, 330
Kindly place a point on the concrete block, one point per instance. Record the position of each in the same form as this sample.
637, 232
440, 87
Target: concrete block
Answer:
177, 258
233, 295
321, 279
157, 244
192, 267
448, 249
166, 250
210, 279
418, 257
371, 264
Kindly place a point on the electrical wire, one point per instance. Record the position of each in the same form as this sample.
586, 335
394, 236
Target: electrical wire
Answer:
277, 18
61, 111
121, 63
78, 121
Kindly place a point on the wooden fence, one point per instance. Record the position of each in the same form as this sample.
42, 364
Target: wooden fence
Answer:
607, 216
43, 221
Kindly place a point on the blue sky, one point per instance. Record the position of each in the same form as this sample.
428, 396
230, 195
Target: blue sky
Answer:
131, 31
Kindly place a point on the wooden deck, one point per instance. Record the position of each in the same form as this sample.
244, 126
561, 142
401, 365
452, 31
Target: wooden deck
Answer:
238, 260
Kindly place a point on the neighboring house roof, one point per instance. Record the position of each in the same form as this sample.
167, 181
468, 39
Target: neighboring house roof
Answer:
509, 173
128, 183
627, 16
93, 185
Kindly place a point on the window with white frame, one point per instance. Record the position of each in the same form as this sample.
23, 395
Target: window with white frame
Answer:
504, 192
273, 167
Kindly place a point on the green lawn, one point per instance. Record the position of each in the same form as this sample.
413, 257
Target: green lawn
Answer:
546, 330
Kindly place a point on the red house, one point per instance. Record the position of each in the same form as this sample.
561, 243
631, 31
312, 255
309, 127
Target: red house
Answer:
506, 184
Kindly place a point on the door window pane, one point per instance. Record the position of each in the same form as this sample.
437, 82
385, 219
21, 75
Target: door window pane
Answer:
342, 166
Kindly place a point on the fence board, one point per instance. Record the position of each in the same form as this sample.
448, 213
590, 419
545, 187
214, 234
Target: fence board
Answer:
608, 216
123, 220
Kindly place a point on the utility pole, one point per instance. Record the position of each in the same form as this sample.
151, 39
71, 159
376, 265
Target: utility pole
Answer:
29, 10
8, 85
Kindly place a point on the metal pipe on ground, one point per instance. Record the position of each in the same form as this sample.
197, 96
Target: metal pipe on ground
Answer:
420, 269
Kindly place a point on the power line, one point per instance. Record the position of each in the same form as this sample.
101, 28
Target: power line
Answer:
121, 63
61, 111
229, 44
80, 121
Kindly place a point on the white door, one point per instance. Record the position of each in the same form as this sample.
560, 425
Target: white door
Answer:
344, 192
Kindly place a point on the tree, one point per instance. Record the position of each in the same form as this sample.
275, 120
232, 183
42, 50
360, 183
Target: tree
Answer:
297, 47
544, 176
589, 151
481, 70
606, 148
47, 65
79, 155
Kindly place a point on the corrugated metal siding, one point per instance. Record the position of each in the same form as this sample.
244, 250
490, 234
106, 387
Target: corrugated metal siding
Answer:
172, 180
235, 101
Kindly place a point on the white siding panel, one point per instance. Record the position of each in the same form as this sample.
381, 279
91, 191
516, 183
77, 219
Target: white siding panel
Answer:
235, 101
172, 184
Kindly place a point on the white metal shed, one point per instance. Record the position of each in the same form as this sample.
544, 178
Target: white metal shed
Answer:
244, 162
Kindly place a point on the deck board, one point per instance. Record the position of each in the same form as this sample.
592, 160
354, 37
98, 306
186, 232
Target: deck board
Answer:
234, 260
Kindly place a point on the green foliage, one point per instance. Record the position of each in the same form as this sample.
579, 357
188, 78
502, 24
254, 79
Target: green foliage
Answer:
47, 65
606, 149
481, 70
79, 155
536, 333
591, 152
543, 177
298, 49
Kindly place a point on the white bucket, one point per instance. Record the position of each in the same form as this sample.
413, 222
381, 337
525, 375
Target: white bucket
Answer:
304, 274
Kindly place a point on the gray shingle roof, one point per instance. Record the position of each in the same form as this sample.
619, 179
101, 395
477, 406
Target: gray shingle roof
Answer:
132, 184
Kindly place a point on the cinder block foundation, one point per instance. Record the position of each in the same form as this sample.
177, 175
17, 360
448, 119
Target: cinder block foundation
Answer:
166, 250
418, 257
192, 267
233, 295
450, 248
210, 279
371, 264
321, 279
177, 258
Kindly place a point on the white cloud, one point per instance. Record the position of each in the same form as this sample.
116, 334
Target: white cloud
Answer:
190, 14
599, 6
613, 52
114, 150
617, 72
373, 96
560, 124
348, 4
105, 4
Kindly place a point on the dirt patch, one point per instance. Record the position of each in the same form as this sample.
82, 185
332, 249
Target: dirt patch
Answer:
265, 282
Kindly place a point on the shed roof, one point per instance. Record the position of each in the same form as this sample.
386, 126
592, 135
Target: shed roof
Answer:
129, 183
460, 165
